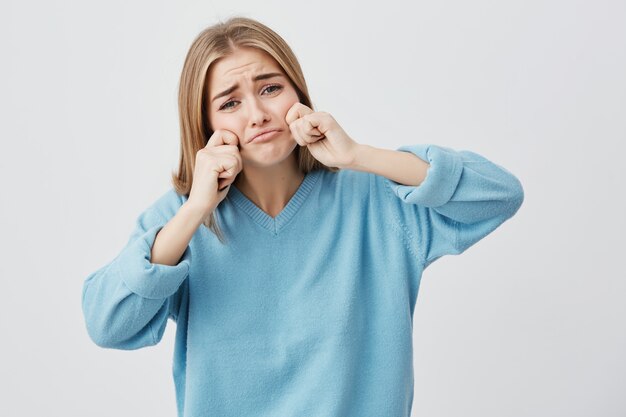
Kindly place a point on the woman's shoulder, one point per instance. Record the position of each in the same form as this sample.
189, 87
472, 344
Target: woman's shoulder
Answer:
346, 177
348, 182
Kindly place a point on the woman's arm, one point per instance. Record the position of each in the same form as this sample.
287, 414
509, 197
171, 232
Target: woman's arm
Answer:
126, 303
453, 198
402, 167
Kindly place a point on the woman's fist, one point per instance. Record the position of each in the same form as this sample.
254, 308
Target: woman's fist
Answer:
322, 135
217, 165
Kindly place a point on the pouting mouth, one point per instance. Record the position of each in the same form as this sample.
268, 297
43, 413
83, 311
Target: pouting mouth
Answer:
262, 133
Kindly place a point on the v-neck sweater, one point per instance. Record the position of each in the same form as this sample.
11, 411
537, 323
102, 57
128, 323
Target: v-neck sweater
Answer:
309, 313
274, 224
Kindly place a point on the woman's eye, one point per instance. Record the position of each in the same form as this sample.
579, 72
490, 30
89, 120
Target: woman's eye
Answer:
277, 87
226, 105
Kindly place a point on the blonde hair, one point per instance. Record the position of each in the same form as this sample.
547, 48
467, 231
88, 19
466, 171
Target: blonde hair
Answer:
213, 43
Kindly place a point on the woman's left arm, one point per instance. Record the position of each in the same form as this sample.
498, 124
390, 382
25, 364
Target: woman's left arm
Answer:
473, 194
454, 198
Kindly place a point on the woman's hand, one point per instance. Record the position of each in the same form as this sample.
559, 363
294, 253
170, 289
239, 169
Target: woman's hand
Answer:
217, 165
322, 135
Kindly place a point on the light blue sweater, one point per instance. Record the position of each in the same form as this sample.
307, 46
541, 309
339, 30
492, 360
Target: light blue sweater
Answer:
309, 313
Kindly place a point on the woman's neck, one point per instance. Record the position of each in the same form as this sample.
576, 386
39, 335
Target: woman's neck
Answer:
270, 188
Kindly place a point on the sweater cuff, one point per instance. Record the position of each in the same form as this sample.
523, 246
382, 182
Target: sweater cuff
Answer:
441, 180
148, 280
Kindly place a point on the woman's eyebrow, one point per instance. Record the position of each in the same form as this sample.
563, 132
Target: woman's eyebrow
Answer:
256, 78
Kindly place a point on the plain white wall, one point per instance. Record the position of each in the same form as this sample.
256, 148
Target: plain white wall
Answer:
529, 322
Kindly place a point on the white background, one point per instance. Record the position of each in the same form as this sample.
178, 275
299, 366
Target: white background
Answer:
528, 322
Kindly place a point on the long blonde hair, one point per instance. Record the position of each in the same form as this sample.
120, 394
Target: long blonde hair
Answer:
213, 43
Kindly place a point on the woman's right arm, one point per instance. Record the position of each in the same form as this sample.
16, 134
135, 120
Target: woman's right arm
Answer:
172, 241
126, 303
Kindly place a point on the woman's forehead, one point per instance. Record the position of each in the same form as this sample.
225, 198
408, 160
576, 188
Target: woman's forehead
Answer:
246, 63
242, 65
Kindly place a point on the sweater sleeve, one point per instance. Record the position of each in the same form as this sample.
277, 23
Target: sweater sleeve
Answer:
463, 198
126, 303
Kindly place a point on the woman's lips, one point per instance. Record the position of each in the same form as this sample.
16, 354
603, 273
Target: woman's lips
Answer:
266, 136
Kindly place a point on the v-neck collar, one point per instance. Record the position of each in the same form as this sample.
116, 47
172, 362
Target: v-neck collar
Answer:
275, 224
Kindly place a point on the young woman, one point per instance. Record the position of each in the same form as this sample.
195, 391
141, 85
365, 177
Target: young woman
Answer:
288, 254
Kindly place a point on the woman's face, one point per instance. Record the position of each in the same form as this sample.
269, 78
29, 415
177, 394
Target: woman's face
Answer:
253, 106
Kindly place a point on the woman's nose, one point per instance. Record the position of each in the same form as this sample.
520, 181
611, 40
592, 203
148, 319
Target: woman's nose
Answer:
257, 112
